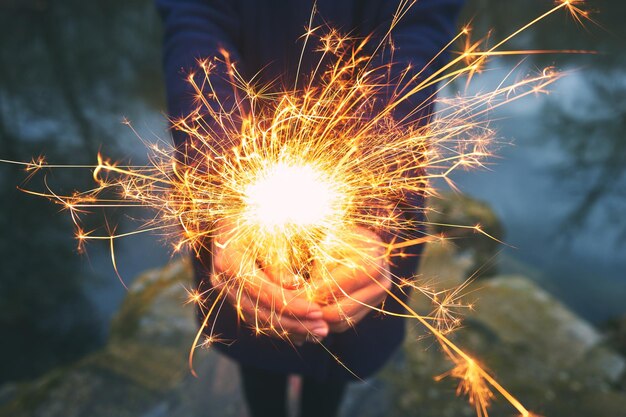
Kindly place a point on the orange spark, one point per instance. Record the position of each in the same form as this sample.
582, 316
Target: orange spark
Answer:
301, 169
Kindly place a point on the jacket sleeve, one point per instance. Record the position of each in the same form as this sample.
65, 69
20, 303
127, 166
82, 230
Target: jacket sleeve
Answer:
195, 29
426, 28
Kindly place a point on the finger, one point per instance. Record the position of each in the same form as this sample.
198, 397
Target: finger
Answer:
347, 322
358, 269
230, 260
294, 303
366, 298
269, 294
353, 308
268, 316
264, 304
266, 295
281, 275
348, 281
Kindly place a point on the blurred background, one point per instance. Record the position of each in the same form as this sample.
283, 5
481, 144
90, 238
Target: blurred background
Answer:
551, 310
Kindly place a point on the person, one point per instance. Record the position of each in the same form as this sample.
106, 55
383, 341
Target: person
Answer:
261, 36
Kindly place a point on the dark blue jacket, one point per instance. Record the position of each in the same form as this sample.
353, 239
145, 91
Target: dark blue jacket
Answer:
263, 34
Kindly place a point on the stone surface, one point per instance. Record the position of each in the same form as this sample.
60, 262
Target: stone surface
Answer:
555, 362
142, 371
454, 215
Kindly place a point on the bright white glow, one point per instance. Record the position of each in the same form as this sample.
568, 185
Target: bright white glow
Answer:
287, 194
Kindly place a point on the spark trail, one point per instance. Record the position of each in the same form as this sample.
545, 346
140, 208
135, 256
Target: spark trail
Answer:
288, 178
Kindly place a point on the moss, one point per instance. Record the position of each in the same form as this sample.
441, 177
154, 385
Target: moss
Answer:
549, 358
131, 371
553, 361
149, 366
30, 396
462, 210
144, 292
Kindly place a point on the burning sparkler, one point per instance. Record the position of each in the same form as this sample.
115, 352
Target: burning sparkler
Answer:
297, 177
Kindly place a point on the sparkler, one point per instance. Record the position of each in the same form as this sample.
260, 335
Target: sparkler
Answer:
291, 179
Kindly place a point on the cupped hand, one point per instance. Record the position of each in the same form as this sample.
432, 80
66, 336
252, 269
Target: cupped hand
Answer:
261, 301
358, 282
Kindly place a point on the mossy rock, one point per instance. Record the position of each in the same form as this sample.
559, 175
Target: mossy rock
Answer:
146, 357
154, 307
552, 360
555, 362
455, 216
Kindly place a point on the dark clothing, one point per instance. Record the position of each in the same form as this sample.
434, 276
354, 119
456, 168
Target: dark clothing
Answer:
264, 35
265, 391
266, 394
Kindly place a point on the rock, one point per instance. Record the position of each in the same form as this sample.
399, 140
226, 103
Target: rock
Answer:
465, 254
455, 215
443, 266
142, 371
616, 330
554, 361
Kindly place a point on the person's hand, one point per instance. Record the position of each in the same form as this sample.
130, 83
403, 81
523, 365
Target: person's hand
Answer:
358, 282
261, 301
